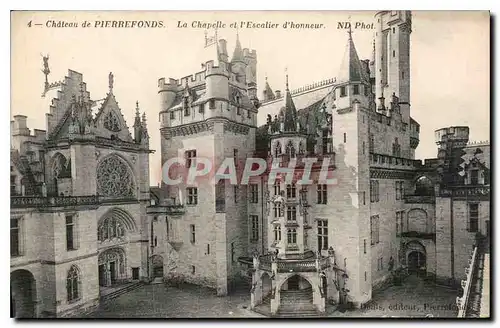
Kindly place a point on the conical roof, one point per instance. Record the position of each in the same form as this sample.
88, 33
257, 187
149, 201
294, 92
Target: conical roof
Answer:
289, 111
351, 69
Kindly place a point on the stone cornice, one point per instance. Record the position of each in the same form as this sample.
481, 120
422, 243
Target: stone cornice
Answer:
204, 126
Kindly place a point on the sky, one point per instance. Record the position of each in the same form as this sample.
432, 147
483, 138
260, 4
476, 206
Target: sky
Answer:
450, 56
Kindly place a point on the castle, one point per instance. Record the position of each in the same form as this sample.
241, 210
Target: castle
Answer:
80, 190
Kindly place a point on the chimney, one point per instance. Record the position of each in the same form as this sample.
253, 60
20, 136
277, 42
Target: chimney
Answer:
277, 93
19, 126
223, 50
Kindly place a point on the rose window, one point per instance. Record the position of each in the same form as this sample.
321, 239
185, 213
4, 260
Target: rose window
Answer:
114, 179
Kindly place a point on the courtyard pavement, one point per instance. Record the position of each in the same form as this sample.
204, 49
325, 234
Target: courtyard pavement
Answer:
414, 298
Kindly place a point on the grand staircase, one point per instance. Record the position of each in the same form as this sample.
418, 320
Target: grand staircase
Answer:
297, 304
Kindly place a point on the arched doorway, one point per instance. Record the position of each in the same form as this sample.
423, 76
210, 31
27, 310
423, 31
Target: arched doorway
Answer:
416, 261
22, 294
112, 264
157, 264
296, 294
415, 257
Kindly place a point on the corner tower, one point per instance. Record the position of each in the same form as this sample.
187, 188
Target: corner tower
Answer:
392, 60
349, 103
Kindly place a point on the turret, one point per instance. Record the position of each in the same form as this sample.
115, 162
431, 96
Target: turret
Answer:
392, 60
238, 64
223, 51
267, 93
167, 92
353, 81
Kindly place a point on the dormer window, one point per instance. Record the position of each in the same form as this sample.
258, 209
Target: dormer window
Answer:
474, 177
355, 89
343, 92
186, 106
211, 104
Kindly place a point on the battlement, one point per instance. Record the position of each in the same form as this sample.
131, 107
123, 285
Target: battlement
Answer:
478, 143
211, 69
249, 53
452, 133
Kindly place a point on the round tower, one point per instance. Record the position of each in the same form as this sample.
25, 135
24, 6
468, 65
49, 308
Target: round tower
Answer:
216, 81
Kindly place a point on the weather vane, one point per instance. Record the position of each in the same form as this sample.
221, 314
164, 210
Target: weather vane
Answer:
46, 71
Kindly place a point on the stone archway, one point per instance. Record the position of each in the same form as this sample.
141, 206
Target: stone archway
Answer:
415, 257
296, 294
112, 267
23, 294
157, 265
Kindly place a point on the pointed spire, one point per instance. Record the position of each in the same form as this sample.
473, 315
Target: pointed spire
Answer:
137, 121
351, 69
268, 92
289, 109
238, 52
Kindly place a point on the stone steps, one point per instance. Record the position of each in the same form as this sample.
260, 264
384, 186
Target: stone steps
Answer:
121, 291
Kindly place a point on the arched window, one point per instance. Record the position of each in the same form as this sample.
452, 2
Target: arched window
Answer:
73, 284
290, 150
277, 150
292, 236
372, 143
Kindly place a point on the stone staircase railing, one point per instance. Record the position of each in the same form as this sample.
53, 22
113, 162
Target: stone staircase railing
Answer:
466, 285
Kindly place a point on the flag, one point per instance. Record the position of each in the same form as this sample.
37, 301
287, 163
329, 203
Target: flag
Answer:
210, 40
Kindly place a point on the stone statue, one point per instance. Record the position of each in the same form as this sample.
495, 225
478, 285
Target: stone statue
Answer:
111, 81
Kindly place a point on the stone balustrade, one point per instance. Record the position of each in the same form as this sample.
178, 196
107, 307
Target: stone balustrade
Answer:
466, 285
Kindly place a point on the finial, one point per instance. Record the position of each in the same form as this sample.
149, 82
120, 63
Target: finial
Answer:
286, 77
350, 28
81, 92
137, 108
144, 118
111, 79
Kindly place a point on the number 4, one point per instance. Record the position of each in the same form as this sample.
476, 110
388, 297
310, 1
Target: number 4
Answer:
29, 24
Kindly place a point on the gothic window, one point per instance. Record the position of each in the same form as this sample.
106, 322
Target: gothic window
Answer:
111, 122
372, 143
73, 284
277, 150
473, 222
114, 179
290, 150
